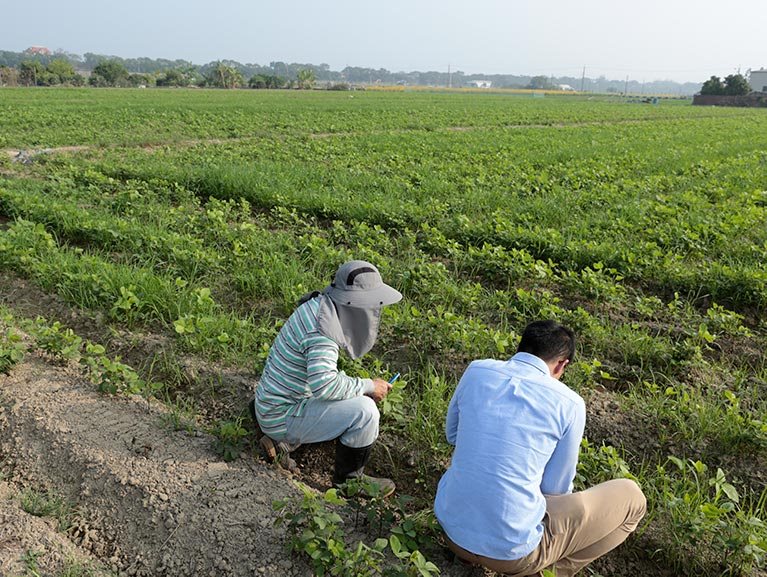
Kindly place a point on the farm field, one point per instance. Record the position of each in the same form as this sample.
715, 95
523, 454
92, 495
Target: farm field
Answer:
175, 229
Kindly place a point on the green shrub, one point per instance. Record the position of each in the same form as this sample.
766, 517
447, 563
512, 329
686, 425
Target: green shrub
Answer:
230, 438
11, 350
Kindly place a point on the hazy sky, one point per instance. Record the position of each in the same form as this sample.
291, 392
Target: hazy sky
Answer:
683, 40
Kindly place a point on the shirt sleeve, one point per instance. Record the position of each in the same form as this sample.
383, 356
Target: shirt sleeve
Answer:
560, 470
323, 377
453, 412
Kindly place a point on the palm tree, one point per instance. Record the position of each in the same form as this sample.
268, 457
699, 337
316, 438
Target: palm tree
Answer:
225, 76
306, 78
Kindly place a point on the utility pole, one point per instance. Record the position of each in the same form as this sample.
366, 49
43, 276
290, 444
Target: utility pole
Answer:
583, 77
626, 88
449, 77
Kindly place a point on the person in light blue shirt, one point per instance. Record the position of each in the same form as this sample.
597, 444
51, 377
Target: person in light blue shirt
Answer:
506, 501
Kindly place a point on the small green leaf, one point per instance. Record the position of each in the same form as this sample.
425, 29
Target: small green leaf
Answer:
731, 492
395, 545
678, 462
380, 544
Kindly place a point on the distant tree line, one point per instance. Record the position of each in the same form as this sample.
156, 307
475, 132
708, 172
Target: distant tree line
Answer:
733, 85
61, 68
114, 71
35, 73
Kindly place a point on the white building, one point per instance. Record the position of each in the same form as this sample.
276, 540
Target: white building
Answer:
481, 83
758, 80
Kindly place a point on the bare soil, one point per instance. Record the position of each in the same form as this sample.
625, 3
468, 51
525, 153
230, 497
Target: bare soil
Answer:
150, 501
28, 542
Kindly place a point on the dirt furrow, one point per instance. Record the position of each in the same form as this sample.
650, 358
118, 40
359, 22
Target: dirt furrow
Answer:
151, 501
29, 543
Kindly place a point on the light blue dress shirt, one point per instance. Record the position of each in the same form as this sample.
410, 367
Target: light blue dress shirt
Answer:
517, 432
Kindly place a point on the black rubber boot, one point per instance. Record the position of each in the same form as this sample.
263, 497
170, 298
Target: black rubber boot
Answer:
350, 465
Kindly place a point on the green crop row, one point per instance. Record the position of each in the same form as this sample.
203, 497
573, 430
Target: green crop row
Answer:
660, 216
225, 246
60, 117
447, 320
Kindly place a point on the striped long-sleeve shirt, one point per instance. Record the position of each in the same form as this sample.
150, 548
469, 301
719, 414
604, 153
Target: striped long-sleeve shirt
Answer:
302, 364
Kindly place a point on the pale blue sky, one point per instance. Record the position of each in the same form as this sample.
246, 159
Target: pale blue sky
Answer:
683, 40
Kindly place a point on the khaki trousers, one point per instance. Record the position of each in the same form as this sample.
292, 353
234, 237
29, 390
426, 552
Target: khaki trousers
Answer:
578, 528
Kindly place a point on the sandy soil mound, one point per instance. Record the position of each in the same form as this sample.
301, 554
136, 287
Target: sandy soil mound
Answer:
151, 501
28, 542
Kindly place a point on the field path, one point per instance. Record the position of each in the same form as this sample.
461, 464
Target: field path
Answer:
151, 501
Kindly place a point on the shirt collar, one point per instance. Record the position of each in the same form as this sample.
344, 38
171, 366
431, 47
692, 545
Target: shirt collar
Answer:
532, 361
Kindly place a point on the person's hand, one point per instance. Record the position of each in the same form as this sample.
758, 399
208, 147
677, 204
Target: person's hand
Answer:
381, 389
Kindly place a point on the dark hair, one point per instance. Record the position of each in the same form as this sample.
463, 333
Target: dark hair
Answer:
548, 340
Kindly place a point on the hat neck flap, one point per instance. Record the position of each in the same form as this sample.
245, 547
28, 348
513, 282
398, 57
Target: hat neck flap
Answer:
351, 328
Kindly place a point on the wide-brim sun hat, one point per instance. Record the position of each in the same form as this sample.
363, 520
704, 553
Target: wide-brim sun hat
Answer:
359, 284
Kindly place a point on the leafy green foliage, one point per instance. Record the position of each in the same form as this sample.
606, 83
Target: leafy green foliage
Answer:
12, 349
315, 529
61, 343
599, 464
712, 87
111, 376
736, 85
109, 73
230, 438
180, 416
706, 514
64, 345
733, 85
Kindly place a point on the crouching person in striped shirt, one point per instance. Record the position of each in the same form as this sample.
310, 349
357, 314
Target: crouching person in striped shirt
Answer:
302, 397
